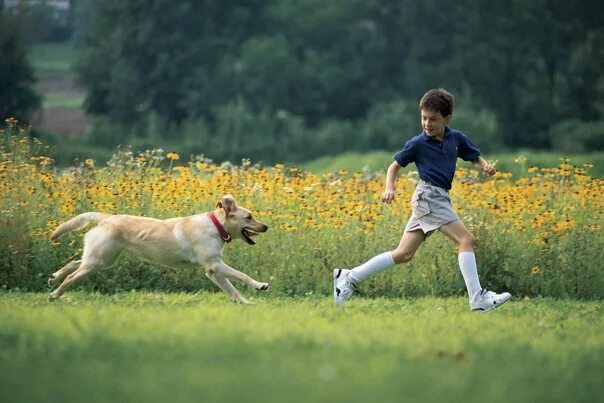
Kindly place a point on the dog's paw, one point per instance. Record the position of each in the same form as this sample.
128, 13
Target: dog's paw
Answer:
52, 280
52, 297
262, 287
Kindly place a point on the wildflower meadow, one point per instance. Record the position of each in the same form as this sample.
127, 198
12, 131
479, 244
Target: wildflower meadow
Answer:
538, 235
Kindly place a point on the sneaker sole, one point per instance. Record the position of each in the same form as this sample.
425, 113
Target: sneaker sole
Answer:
494, 307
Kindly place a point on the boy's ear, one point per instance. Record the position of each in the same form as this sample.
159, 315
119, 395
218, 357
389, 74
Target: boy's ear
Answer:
448, 119
227, 204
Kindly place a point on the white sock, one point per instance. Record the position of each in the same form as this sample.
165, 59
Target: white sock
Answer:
467, 264
372, 266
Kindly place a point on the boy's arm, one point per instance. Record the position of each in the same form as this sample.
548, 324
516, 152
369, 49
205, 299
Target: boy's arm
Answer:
388, 194
485, 166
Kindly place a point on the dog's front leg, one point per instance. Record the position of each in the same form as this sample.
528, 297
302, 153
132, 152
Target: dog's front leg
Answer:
225, 285
233, 274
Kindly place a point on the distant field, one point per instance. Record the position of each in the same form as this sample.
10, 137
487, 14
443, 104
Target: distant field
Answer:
52, 58
379, 161
62, 99
154, 347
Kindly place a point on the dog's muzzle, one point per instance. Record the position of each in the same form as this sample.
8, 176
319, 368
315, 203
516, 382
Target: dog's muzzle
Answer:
249, 233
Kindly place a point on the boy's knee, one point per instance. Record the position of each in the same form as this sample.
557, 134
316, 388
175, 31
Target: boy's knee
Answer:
468, 241
402, 256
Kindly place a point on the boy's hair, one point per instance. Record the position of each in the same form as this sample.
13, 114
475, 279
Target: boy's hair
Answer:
438, 100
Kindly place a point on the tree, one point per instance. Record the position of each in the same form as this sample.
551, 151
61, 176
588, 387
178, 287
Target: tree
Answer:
140, 57
17, 98
518, 68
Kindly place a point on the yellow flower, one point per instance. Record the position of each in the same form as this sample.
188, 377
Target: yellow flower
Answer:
89, 162
173, 156
564, 225
535, 271
11, 122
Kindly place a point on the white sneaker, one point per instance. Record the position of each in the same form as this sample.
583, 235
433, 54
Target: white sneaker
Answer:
343, 286
488, 300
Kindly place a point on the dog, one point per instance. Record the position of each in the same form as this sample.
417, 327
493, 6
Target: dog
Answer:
175, 242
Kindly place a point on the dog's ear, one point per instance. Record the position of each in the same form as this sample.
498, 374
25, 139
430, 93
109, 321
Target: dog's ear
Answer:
227, 204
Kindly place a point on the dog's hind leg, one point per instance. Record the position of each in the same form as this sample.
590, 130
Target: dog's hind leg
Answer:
87, 267
100, 250
64, 271
226, 286
79, 273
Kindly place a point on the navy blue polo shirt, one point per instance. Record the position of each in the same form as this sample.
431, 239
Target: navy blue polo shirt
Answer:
436, 160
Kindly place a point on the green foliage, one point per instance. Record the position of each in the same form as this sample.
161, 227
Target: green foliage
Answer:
17, 98
481, 125
236, 131
388, 125
67, 154
574, 136
346, 75
200, 347
43, 21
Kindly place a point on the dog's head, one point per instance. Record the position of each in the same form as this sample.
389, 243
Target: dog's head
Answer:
239, 222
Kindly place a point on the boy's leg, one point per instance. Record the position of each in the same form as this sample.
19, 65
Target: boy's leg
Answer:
407, 247
345, 280
479, 298
467, 260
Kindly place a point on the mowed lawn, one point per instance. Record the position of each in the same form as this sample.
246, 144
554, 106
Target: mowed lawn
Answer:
152, 347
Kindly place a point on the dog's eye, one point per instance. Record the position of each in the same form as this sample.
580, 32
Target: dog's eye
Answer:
249, 217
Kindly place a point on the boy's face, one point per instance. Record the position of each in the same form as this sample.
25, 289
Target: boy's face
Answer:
434, 123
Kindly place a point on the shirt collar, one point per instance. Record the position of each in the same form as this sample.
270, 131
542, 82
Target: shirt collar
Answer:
447, 134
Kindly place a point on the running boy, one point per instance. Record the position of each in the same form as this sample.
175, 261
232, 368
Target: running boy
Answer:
434, 152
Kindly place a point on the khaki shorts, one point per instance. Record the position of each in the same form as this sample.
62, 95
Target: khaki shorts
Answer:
431, 209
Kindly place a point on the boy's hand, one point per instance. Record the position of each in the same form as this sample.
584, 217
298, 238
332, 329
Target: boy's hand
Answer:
388, 196
488, 169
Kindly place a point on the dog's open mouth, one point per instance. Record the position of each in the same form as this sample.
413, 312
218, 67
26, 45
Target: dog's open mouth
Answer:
248, 234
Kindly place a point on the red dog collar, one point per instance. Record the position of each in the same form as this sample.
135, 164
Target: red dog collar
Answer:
225, 235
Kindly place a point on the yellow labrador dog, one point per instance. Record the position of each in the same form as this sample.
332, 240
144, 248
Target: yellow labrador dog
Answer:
175, 242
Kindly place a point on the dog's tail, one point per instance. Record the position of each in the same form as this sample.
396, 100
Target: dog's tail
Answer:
77, 222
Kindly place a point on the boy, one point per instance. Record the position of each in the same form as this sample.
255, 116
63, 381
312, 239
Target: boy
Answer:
434, 152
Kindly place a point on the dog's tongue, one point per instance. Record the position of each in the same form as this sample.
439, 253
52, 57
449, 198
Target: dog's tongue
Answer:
248, 236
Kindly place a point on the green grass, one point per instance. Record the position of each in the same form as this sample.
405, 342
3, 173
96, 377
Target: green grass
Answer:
151, 347
52, 62
63, 100
379, 161
52, 58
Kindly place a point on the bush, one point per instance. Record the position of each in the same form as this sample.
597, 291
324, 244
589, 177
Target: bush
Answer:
575, 136
389, 125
